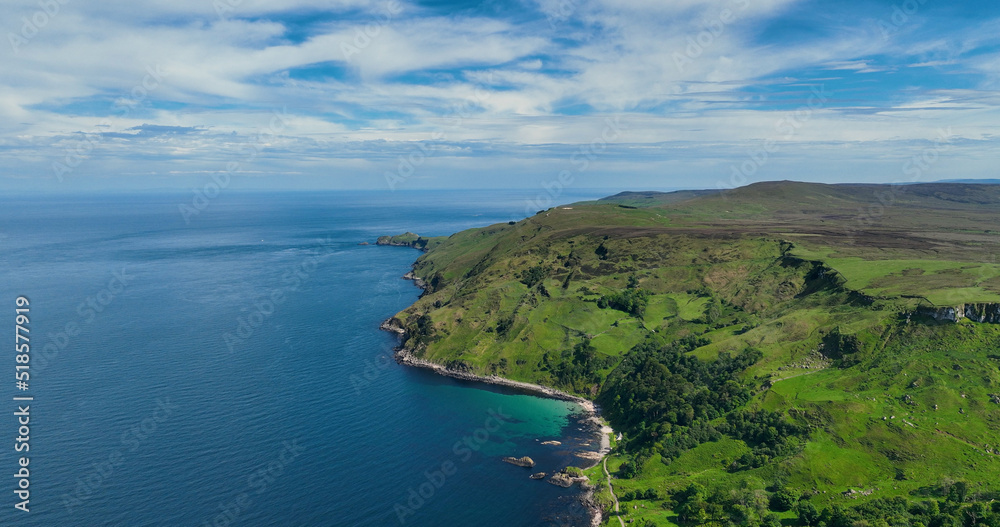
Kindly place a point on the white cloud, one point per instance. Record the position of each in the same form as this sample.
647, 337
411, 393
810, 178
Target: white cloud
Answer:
695, 75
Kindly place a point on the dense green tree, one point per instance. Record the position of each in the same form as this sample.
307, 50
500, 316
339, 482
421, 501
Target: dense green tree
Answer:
631, 301
533, 275
691, 505
807, 513
782, 500
957, 492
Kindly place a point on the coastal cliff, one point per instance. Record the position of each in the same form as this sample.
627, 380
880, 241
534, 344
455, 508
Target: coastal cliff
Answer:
699, 324
405, 356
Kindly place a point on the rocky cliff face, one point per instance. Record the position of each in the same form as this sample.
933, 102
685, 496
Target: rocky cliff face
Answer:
988, 313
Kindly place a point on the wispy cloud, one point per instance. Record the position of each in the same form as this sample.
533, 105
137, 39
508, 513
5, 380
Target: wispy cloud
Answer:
504, 90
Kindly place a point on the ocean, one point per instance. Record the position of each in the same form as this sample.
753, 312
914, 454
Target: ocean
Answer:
225, 367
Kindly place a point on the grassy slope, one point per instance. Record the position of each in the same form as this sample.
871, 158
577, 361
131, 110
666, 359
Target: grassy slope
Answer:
777, 261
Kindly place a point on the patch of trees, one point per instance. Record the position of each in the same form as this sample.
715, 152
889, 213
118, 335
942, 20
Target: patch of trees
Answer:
533, 276
768, 434
421, 331
757, 507
579, 366
664, 398
504, 325
734, 506
957, 509
649, 494
435, 283
631, 301
684, 439
459, 365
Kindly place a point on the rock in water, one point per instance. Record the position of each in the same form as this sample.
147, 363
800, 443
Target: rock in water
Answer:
540, 475
525, 461
562, 479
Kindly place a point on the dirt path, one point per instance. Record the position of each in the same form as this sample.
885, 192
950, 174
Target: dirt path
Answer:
612, 491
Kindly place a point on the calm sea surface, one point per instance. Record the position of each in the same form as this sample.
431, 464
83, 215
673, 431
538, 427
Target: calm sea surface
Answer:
230, 371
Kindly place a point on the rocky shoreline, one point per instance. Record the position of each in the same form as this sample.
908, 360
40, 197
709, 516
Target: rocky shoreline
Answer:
406, 357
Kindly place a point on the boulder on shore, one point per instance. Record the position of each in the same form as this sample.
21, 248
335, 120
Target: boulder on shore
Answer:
567, 477
525, 461
562, 479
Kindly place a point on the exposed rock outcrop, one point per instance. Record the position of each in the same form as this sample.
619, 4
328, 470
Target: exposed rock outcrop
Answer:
525, 461
565, 480
589, 455
419, 282
393, 325
562, 479
988, 313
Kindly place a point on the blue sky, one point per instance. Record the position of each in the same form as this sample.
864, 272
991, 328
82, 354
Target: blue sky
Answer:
400, 94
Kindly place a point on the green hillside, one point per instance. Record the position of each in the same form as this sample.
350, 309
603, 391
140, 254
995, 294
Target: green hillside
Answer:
765, 351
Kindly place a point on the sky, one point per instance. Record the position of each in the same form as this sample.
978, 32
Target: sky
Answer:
546, 94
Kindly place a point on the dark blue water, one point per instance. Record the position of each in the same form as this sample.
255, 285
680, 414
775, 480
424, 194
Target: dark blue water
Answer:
230, 371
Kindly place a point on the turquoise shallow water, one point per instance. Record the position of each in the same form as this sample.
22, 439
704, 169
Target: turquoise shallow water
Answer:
234, 374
